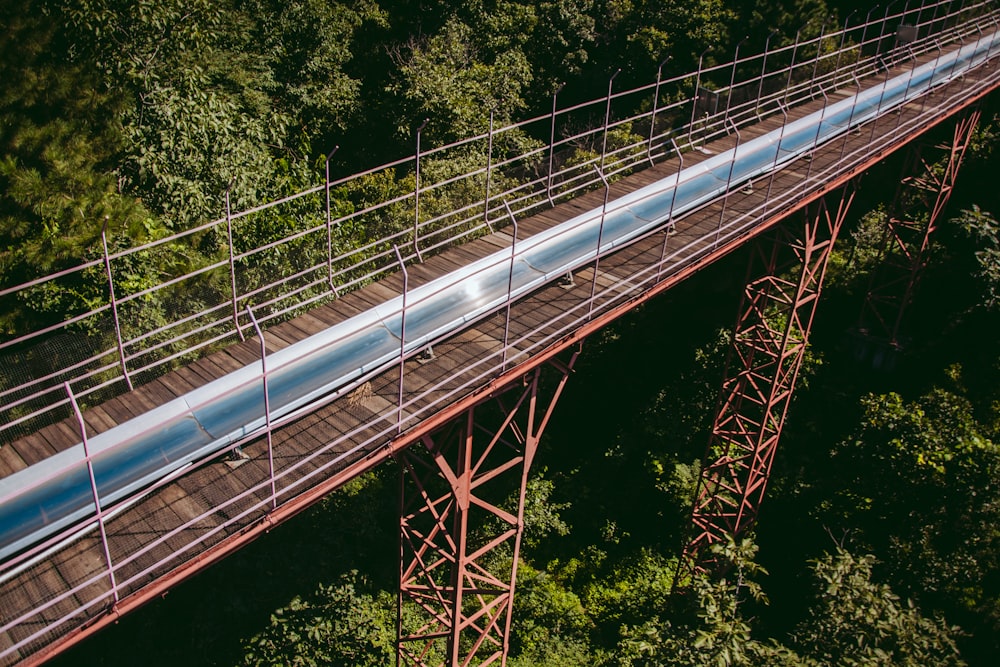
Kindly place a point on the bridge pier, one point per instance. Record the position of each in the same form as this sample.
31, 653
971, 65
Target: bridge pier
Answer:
461, 520
768, 347
925, 186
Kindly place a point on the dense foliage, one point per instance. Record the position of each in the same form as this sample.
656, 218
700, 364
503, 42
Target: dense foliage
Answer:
885, 499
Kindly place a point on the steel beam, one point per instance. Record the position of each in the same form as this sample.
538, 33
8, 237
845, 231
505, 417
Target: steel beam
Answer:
925, 186
768, 347
461, 520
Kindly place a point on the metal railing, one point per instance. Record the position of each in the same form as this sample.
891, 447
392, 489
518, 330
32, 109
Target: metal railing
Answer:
284, 479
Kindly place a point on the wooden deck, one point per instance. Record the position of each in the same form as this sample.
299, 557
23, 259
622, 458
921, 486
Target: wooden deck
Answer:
211, 509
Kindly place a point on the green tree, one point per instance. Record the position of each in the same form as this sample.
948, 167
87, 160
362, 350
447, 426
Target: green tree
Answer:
709, 625
60, 142
305, 51
918, 484
855, 621
452, 81
984, 230
551, 626
339, 626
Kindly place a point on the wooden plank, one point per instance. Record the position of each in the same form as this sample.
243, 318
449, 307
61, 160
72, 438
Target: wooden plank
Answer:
10, 461
98, 420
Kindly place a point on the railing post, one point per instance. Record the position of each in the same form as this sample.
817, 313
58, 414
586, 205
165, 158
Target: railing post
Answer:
489, 173
670, 213
732, 78
232, 262
607, 118
937, 6
402, 337
652, 117
819, 128
819, 55
864, 34
729, 180
329, 224
840, 49
937, 61
878, 107
600, 237
114, 304
906, 92
267, 406
850, 119
416, 194
881, 34
552, 143
98, 510
791, 67
777, 156
996, 24
763, 71
697, 94
510, 286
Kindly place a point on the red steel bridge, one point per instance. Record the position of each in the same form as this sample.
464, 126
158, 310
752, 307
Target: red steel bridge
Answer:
463, 412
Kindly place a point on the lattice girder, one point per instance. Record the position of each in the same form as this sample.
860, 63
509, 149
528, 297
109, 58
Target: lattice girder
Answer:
921, 197
460, 525
768, 346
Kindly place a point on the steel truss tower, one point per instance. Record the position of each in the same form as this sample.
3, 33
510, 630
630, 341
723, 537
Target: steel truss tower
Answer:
768, 346
926, 184
461, 519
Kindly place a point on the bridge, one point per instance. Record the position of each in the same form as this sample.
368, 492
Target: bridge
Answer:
437, 322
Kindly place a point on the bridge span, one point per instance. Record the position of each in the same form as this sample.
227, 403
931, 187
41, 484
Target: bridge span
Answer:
460, 406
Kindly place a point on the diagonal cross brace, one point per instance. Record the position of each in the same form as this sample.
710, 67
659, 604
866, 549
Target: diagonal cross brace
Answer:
461, 519
768, 347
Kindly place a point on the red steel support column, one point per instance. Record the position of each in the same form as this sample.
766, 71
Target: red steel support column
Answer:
923, 193
461, 521
767, 350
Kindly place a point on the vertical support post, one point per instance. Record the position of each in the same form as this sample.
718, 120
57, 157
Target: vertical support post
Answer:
600, 237
552, 144
607, 118
729, 180
232, 263
329, 223
670, 212
777, 155
819, 55
902, 106
840, 49
763, 71
416, 193
732, 78
697, 94
768, 346
489, 173
402, 337
819, 128
267, 406
791, 67
881, 34
850, 120
455, 603
98, 510
114, 304
864, 33
878, 108
652, 117
923, 192
510, 286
